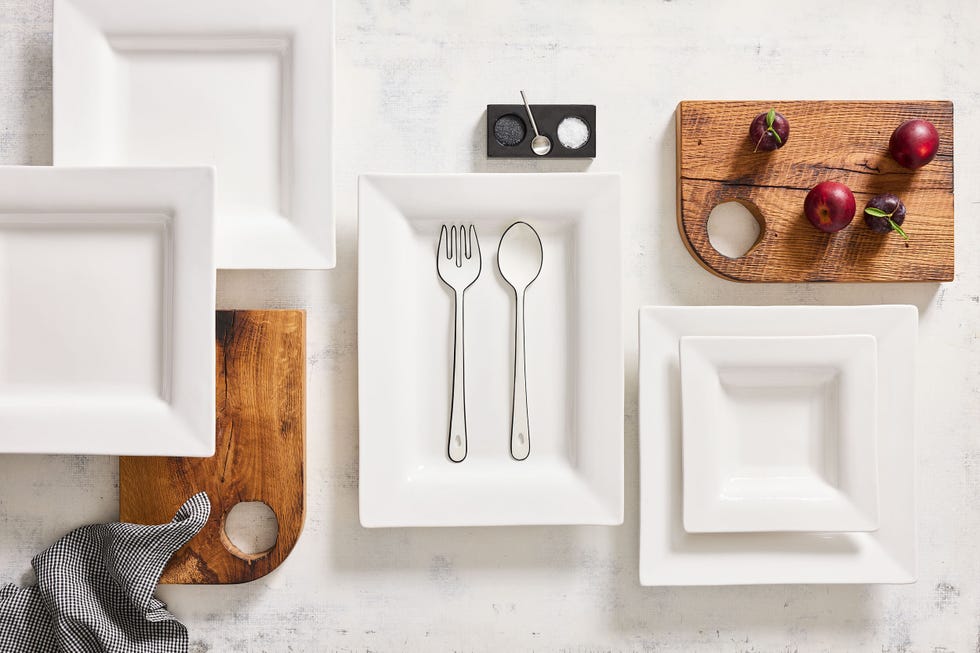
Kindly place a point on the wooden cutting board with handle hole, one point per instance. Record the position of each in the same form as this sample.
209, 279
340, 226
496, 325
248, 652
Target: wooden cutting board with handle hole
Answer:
841, 141
260, 451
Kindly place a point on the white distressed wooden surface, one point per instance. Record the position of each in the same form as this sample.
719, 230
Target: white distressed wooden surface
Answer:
413, 77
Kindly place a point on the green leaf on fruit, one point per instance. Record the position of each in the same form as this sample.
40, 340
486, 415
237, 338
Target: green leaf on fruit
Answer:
775, 135
878, 213
770, 118
894, 225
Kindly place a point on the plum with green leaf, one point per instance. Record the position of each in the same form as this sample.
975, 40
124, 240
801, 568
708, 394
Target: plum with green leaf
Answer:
769, 131
885, 213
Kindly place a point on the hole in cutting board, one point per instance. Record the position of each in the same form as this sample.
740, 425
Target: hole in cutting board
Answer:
734, 228
249, 530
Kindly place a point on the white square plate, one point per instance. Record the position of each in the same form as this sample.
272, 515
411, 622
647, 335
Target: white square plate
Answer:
779, 433
574, 474
244, 85
671, 556
107, 321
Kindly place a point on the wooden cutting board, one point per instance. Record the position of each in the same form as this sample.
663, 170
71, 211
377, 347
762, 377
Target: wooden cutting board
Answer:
260, 451
829, 141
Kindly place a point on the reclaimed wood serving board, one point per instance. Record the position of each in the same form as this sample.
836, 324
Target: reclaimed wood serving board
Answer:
838, 141
260, 451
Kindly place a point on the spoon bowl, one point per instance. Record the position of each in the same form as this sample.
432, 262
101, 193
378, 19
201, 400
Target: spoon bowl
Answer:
520, 256
540, 144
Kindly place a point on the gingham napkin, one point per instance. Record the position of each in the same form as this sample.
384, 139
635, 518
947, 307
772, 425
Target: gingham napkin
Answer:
94, 591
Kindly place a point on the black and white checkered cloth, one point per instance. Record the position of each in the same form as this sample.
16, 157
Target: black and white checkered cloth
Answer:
94, 590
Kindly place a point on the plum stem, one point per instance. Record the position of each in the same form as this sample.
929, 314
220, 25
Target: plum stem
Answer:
878, 213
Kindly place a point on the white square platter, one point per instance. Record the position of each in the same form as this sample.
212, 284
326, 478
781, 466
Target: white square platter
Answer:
671, 556
574, 474
107, 321
779, 433
244, 85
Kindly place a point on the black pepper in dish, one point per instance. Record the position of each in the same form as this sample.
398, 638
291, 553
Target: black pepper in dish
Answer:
509, 130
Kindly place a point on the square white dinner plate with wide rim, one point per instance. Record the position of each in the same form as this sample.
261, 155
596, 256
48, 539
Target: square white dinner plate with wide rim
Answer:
107, 322
574, 474
779, 433
244, 85
671, 556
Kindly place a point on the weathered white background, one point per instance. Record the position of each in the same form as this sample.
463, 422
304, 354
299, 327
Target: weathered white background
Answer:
413, 78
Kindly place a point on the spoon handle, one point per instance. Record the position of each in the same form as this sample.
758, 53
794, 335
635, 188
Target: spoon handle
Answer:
520, 431
457, 416
530, 115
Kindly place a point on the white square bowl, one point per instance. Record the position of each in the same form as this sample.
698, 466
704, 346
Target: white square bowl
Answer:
669, 555
107, 321
574, 474
779, 433
244, 85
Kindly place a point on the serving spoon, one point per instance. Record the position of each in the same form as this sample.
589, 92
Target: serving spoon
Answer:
519, 259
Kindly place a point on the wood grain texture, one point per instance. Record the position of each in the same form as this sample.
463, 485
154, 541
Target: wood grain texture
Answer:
838, 141
260, 451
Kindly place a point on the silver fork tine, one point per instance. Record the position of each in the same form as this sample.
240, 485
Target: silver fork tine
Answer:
458, 235
452, 244
474, 240
443, 248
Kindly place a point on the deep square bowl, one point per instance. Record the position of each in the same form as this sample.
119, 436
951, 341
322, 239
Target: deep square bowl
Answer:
779, 433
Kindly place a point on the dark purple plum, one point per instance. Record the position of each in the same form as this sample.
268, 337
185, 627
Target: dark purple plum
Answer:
885, 213
769, 131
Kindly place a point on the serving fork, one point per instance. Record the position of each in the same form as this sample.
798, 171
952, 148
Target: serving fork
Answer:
459, 264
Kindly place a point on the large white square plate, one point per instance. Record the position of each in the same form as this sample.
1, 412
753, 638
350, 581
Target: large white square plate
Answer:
244, 85
107, 320
671, 556
574, 474
779, 433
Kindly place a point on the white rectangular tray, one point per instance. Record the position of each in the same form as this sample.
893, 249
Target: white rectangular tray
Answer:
574, 474
244, 85
671, 556
107, 321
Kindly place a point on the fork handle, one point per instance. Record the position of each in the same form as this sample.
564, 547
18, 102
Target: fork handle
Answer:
457, 415
520, 429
